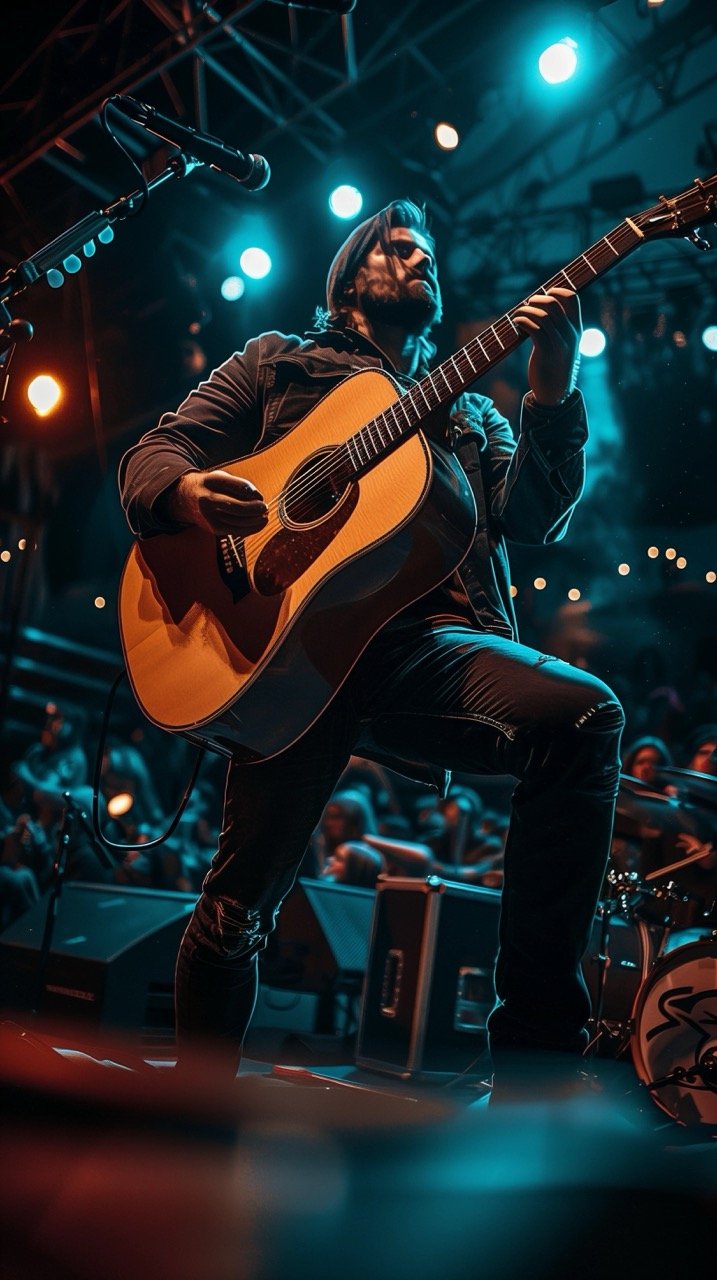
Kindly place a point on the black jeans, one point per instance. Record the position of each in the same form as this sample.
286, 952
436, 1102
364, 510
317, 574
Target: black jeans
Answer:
465, 700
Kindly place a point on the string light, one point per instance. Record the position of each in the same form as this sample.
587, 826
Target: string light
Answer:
22, 544
513, 591
623, 570
5, 556
100, 602
681, 562
670, 553
539, 584
573, 594
711, 576
653, 552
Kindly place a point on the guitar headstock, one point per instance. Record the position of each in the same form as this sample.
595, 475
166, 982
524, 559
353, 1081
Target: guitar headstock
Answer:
678, 215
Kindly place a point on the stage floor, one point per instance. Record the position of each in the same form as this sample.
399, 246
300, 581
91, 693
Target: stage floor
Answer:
119, 1166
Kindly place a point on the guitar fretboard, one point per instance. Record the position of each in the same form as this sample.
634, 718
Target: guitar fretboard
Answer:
493, 344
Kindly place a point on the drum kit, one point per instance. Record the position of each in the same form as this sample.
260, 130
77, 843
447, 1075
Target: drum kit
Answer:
653, 986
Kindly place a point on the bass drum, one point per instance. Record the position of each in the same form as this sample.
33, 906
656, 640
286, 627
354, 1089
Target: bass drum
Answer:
632, 948
674, 1039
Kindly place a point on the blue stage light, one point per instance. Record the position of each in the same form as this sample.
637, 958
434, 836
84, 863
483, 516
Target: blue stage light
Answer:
593, 342
559, 61
232, 288
255, 263
345, 201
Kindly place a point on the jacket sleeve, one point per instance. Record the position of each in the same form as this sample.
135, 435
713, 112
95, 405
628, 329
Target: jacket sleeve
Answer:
535, 484
218, 422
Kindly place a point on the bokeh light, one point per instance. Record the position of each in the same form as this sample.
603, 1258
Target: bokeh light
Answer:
255, 262
232, 288
592, 342
345, 201
709, 337
44, 394
559, 61
446, 136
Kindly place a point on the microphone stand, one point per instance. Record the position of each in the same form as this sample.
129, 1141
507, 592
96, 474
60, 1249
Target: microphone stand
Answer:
73, 816
13, 330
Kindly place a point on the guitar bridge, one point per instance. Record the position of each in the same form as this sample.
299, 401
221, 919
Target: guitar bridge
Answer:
232, 566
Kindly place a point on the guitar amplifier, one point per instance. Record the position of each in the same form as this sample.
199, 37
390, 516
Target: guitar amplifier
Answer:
430, 980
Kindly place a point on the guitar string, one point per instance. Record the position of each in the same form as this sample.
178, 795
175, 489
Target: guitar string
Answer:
322, 469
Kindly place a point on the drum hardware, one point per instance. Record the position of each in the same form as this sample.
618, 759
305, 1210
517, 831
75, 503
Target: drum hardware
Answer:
622, 950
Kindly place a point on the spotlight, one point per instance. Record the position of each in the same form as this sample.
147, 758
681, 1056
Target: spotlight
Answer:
593, 342
44, 393
559, 61
255, 263
232, 288
709, 337
120, 804
345, 201
446, 136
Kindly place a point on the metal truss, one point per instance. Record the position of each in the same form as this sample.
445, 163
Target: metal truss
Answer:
652, 78
290, 75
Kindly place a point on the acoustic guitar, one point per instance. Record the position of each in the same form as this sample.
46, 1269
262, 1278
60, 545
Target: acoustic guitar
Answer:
241, 643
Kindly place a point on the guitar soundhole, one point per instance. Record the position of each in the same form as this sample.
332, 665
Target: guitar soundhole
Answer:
315, 505
315, 491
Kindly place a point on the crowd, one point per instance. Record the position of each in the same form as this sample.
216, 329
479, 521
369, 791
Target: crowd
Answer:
377, 823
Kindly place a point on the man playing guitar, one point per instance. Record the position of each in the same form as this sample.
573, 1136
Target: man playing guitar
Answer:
442, 685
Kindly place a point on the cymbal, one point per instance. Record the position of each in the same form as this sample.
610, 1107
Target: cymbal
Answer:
701, 786
644, 807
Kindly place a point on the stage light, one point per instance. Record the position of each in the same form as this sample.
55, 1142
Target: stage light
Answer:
446, 136
44, 393
255, 263
100, 602
232, 288
653, 552
559, 61
345, 201
539, 584
623, 570
709, 337
670, 553
5, 556
573, 594
120, 804
514, 592
711, 576
592, 342
681, 562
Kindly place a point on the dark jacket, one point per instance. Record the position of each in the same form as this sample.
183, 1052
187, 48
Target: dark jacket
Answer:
524, 492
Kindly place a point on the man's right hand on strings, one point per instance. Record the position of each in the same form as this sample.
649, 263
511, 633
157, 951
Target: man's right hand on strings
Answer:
218, 502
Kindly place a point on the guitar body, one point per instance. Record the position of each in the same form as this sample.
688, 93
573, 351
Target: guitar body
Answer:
242, 643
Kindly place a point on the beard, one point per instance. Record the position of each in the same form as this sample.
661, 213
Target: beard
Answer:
413, 307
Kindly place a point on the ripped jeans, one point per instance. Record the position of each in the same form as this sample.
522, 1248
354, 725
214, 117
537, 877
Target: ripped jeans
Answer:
460, 699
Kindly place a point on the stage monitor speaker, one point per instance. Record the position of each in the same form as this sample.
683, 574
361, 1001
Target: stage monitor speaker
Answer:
322, 938
430, 982
111, 961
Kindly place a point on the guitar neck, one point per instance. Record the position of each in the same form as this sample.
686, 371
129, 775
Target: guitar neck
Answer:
385, 432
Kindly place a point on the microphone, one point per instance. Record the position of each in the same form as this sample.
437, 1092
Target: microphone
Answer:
252, 171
